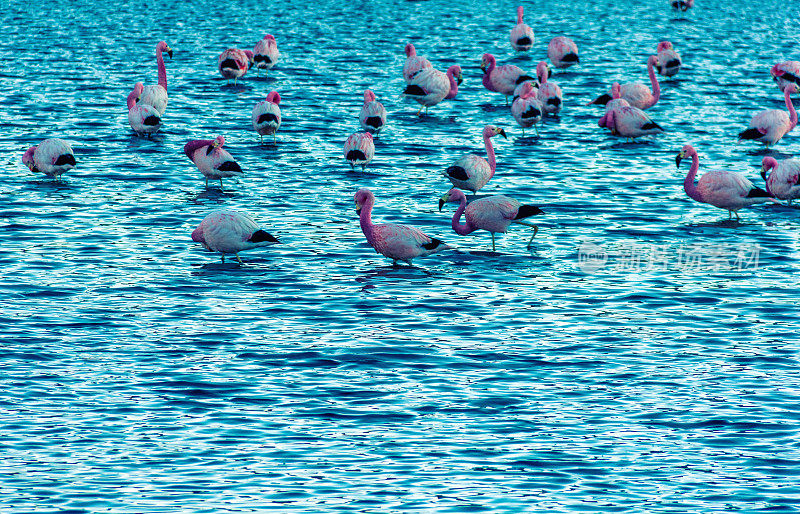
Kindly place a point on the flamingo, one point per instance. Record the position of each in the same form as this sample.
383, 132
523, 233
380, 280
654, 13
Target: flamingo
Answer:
549, 93
229, 231
211, 159
784, 180
668, 61
397, 242
157, 95
267, 116
637, 94
527, 109
682, 5
413, 64
785, 73
616, 101
724, 189
233, 63
52, 157
143, 118
359, 149
265, 54
502, 79
492, 213
373, 114
563, 52
521, 36
771, 125
630, 122
472, 172
430, 86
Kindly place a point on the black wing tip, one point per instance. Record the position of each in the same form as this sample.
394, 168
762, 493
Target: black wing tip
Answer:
267, 117
757, 192
356, 155
751, 133
652, 125
65, 159
230, 166
373, 121
602, 99
554, 101
152, 120
414, 90
524, 40
261, 236
523, 78
571, 57
526, 211
434, 244
457, 172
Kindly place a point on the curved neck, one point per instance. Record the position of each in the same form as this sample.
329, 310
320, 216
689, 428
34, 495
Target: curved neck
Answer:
688, 182
453, 85
653, 83
790, 106
519, 15
490, 152
461, 229
162, 70
132, 99
366, 220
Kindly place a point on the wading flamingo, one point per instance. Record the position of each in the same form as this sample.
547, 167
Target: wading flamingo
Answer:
668, 62
397, 242
616, 101
143, 118
521, 36
265, 54
527, 109
413, 64
471, 172
373, 114
213, 161
637, 94
502, 79
682, 5
630, 122
771, 125
233, 63
229, 231
359, 149
157, 95
430, 86
549, 93
785, 73
562, 52
267, 116
51, 157
784, 180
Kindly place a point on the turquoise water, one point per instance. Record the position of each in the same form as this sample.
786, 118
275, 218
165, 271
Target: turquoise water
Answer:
641, 357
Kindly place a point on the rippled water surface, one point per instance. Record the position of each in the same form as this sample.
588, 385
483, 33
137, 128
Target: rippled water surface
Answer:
642, 356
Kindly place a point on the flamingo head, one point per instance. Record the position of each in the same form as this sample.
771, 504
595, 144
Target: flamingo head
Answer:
410, 50
527, 90
137, 89
791, 88
274, 97
664, 45
454, 195
776, 71
27, 158
455, 72
487, 62
362, 197
164, 47
491, 131
652, 60
616, 90
250, 58
270, 37
687, 151
369, 96
542, 71
767, 164
218, 142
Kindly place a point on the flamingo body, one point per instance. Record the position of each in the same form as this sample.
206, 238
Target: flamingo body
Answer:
430, 86
628, 121
637, 94
615, 102
213, 161
143, 118
527, 109
785, 73
372, 117
783, 181
502, 79
771, 125
472, 172
413, 64
229, 231
265, 53
549, 93
359, 149
521, 36
668, 61
233, 63
266, 116
562, 52
52, 157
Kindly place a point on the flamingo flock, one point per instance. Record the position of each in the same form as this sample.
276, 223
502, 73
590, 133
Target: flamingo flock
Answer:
533, 98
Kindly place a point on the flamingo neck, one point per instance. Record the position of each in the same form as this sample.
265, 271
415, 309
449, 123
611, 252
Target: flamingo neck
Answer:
519, 15
162, 70
487, 77
132, 99
366, 220
654, 83
490, 153
453, 86
769, 164
790, 106
461, 229
688, 182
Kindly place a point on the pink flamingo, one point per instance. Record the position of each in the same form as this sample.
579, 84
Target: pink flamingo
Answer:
771, 125
724, 189
397, 242
668, 61
563, 52
784, 181
492, 213
373, 114
430, 86
143, 118
359, 149
637, 94
229, 231
527, 109
233, 63
267, 116
616, 101
472, 172
502, 79
157, 95
521, 36
413, 64
265, 54
785, 73
211, 159
683, 5
630, 122
52, 157
549, 92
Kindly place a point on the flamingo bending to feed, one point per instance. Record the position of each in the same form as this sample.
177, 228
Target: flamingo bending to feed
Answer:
562, 52
51, 157
521, 36
637, 94
502, 79
397, 242
156, 95
413, 64
549, 93
771, 125
784, 180
233, 63
143, 118
213, 161
229, 231
668, 61
493, 214
265, 54
430, 86
724, 189
267, 116
359, 149
630, 122
616, 101
527, 109
472, 172
373, 114
683, 5
785, 73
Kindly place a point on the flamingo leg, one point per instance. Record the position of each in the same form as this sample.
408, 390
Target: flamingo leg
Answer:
493, 247
537, 130
220, 184
426, 110
274, 138
506, 96
419, 112
790, 202
206, 182
223, 257
535, 230
729, 214
523, 131
238, 258
737, 215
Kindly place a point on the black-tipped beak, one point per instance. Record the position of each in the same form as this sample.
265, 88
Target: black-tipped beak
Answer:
678, 160
459, 80
441, 204
503, 133
358, 211
169, 52
537, 210
483, 67
763, 174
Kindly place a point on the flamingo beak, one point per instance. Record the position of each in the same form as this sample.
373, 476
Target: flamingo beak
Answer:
212, 147
443, 200
169, 52
502, 133
678, 160
459, 80
358, 208
483, 66
764, 172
